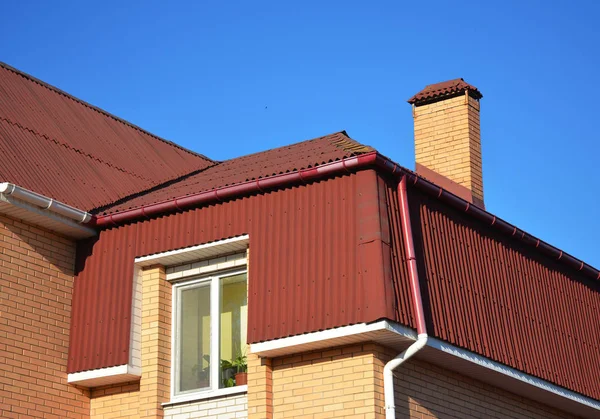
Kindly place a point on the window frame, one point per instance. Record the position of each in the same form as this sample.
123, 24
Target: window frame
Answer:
213, 279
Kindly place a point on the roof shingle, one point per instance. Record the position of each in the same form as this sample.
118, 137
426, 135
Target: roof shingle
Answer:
286, 159
62, 147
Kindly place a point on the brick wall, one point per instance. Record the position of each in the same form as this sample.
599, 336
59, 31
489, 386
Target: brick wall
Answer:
427, 391
119, 401
448, 141
229, 407
36, 282
347, 382
341, 382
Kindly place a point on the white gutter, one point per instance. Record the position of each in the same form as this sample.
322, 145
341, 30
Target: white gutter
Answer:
45, 203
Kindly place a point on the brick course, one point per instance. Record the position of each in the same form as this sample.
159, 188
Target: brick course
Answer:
156, 342
340, 382
120, 401
230, 407
347, 382
36, 283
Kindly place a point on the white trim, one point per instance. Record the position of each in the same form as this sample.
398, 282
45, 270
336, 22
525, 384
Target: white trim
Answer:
214, 282
34, 214
135, 336
43, 202
193, 253
105, 376
328, 338
215, 329
341, 335
222, 392
206, 266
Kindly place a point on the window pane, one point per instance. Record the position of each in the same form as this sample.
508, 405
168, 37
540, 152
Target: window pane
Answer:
194, 338
234, 324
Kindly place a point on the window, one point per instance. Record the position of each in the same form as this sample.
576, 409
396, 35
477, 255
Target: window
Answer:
210, 325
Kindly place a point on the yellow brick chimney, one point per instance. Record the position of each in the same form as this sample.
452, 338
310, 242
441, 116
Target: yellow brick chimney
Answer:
447, 137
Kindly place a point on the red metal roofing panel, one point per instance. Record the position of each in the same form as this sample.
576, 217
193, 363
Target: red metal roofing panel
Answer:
286, 159
318, 261
62, 147
495, 296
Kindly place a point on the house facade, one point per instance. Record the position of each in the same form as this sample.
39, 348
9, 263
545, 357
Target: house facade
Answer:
320, 279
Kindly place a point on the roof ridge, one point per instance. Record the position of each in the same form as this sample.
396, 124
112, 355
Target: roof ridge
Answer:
288, 145
98, 109
350, 145
152, 188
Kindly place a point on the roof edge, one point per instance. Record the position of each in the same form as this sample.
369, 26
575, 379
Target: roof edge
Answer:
372, 160
97, 109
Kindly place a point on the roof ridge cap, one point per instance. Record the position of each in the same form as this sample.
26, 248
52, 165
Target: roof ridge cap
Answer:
98, 109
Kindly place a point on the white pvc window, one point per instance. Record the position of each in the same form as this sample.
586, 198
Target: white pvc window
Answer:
210, 333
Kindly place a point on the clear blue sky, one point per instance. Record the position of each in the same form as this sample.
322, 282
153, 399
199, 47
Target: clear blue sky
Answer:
201, 74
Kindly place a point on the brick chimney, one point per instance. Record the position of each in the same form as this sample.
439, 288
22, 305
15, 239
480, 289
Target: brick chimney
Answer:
447, 137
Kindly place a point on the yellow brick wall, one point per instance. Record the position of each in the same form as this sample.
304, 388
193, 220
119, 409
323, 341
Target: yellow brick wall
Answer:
120, 401
36, 284
260, 387
426, 391
340, 382
347, 382
156, 342
448, 141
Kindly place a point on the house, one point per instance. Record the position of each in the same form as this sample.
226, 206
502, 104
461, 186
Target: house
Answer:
136, 275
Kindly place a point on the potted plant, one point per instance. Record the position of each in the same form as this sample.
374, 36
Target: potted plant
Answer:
227, 373
241, 366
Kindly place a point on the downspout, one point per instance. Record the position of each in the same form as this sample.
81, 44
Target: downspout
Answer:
411, 262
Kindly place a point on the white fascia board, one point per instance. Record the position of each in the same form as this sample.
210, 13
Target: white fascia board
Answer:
44, 202
380, 332
105, 376
194, 253
356, 333
44, 217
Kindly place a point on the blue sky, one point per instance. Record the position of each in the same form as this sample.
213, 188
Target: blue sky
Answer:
231, 78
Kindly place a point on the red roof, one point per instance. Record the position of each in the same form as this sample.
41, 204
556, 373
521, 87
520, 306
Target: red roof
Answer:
286, 159
446, 88
62, 147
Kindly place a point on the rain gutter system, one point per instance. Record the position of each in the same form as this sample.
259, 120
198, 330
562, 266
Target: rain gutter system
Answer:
44, 203
372, 160
419, 312
41, 210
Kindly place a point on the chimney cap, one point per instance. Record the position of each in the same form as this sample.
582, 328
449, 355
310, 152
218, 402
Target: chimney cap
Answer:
444, 90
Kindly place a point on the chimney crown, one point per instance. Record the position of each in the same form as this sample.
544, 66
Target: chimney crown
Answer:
444, 90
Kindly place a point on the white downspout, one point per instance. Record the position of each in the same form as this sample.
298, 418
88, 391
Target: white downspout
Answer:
388, 373
421, 342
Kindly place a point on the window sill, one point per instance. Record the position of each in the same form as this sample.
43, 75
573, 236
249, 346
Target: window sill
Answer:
208, 394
